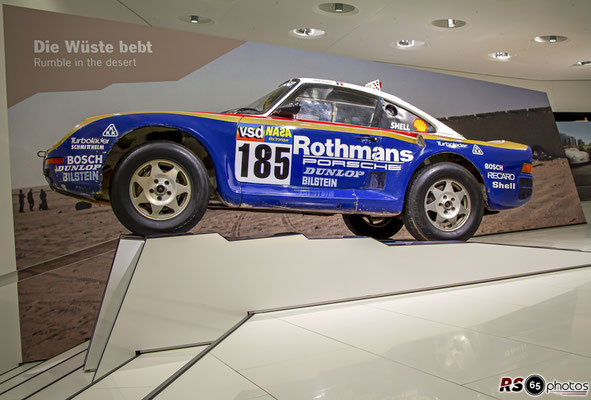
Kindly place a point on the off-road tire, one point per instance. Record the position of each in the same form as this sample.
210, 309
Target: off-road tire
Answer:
440, 191
175, 199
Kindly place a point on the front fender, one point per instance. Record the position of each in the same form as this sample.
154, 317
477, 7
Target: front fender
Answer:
86, 148
498, 165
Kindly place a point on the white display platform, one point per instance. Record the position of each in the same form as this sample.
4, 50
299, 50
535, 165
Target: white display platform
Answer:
193, 289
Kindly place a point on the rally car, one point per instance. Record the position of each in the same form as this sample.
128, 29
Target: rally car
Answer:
310, 146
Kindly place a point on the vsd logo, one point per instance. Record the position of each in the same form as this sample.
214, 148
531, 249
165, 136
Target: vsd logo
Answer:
251, 132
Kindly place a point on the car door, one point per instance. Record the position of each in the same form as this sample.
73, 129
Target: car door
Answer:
322, 154
398, 129
335, 139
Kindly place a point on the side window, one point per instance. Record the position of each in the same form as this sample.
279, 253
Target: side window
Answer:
334, 104
399, 119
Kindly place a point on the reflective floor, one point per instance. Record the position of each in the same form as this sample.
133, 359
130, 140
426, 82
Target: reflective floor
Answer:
566, 237
445, 344
454, 344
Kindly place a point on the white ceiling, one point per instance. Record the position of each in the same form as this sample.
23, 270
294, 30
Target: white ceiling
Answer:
492, 25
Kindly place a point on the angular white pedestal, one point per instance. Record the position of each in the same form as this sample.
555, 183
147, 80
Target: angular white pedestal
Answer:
192, 289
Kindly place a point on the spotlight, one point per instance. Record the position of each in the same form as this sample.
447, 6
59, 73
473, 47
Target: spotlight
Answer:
500, 55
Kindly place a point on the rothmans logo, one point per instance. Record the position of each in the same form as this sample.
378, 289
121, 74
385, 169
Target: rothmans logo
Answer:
303, 145
111, 131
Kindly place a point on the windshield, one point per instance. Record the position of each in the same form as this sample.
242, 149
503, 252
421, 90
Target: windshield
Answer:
264, 103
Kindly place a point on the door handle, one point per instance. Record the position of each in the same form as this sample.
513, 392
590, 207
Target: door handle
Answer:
367, 139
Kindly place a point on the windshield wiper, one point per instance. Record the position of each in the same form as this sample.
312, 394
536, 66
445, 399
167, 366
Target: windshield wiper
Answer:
242, 110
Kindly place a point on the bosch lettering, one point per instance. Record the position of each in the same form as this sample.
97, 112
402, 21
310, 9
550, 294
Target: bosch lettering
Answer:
85, 159
496, 167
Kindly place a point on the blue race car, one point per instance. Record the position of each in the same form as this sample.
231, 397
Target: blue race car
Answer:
309, 146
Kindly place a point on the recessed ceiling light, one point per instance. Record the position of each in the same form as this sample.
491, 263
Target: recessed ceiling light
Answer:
583, 62
337, 8
405, 43
500, 55
196, 19
450, 23
307, 33
550, 39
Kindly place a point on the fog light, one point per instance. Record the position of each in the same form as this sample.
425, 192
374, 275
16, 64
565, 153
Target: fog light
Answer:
54, 160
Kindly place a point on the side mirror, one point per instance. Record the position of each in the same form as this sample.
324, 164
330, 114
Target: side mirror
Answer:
287, 110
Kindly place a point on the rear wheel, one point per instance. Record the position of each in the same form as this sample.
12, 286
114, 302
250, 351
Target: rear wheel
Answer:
443, 202
160, 187
375, 227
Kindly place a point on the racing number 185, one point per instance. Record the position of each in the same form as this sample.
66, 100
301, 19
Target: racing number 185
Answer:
264, 163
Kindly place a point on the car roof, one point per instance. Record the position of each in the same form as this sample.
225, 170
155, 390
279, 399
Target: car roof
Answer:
441, 128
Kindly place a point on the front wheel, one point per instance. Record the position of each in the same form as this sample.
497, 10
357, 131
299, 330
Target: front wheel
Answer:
160, 187
375, 227
443, 202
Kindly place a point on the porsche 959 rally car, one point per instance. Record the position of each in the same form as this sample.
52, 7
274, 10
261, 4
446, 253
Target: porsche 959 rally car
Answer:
309, 146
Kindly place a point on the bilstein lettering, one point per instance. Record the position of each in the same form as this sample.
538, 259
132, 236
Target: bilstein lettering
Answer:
80, 176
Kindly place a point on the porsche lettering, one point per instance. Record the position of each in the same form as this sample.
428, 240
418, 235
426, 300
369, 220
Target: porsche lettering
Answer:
329, 162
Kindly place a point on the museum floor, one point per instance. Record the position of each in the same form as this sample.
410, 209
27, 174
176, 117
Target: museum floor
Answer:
454, 343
